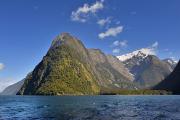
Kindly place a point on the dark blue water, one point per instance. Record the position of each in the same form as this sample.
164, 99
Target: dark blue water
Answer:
90, 107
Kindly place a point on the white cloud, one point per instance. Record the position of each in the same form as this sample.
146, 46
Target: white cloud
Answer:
111, 32
116, 43
102, 22
119, 46
116, 50
2, 66
149, 51
120, 43
123, 43
82, 13
155, 45
153, 49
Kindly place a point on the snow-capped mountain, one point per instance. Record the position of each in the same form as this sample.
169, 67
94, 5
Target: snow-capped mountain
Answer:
143, 53
147, 68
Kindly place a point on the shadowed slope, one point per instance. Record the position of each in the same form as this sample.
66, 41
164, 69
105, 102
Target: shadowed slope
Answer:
172, 82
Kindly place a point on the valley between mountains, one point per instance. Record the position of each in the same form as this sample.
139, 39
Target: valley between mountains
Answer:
69, 68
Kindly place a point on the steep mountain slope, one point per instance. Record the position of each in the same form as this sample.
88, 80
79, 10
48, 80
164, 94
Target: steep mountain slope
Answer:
66, 69
110, 71
151, 71
69, 68
119, 66
172, 82
147, 69
12, 89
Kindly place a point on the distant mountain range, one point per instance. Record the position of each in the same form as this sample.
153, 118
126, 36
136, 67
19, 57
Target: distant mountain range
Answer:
69, 68
148, 69
12, 89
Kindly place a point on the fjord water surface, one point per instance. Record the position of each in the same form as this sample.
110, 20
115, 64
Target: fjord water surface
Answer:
90, 107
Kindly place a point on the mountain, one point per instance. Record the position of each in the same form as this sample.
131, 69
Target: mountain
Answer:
12, 89
141, 53
110, 71
65, 69
172, 82
69, 68
147, 69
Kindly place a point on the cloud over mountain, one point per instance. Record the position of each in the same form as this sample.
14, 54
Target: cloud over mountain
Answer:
155, 45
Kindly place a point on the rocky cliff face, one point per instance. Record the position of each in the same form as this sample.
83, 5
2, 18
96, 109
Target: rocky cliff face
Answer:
120, 67
110, 71
69, 68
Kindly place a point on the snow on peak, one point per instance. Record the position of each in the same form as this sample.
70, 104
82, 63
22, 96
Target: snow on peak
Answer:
144, 52
171, 61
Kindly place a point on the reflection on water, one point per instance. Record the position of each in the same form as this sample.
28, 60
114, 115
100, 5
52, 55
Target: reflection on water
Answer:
90, 107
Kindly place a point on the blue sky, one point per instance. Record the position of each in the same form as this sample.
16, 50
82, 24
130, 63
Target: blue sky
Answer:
27, 29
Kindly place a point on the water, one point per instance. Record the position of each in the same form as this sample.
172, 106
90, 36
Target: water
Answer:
90, 107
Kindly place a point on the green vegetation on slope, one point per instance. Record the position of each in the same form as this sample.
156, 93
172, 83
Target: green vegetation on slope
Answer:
63, 71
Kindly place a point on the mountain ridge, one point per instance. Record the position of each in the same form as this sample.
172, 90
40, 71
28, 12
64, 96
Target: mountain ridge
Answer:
144, 52
148, 69
69, 68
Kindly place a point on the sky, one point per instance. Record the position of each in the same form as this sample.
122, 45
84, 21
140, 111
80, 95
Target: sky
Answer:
27, 28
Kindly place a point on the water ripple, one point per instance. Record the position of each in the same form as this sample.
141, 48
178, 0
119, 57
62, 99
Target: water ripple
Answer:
90, 108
